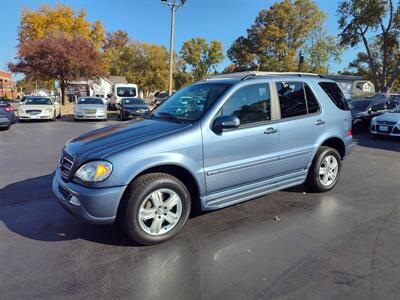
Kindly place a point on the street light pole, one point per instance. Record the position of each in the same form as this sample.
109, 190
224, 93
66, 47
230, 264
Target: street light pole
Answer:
173, 5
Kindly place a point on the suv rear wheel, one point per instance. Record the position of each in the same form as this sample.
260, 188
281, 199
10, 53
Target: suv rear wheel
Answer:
325, 170
155, 208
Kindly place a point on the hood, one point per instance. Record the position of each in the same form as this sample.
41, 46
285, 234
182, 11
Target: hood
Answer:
101, 142
132, 106
90, 106
35, 107
358, 113
390, 117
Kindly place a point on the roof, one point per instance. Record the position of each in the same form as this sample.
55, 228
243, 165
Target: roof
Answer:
251, 74
117, 79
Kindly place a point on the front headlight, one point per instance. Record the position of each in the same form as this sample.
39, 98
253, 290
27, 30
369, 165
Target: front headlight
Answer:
94, 171
373, 120
20, 111
49, 110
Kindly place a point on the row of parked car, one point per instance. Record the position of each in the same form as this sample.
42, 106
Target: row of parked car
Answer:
85, 108
379, 114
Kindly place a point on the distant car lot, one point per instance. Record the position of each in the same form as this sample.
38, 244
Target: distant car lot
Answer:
343, 244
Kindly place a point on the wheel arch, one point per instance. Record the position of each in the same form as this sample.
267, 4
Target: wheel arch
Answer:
181, 173
337, 144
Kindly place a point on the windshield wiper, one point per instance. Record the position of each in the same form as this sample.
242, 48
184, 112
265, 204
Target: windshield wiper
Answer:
170, 116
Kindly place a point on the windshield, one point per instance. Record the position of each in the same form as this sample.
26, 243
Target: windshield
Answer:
359, 105
191, 102
38, 101
126, 92
90, 101
132, 101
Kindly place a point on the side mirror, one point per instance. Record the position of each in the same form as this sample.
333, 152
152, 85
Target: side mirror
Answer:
225, 122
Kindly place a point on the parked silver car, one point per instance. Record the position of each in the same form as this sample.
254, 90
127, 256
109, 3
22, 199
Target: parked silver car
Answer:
90, 108
387, 124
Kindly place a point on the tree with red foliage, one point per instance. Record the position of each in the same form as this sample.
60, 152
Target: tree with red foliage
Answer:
58, 57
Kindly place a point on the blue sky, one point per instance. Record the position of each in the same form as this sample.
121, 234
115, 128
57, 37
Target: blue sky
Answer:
149, 21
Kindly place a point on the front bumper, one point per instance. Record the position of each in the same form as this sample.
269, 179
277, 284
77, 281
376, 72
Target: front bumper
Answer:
41, 116
91, 205
97, 116
392, 130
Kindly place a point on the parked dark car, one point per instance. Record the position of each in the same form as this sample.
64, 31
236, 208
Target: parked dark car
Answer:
363, 110
132, 108
7, 115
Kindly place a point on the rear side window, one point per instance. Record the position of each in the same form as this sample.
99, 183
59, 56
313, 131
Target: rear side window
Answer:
291, 99
312, 103
336, 95
251, 104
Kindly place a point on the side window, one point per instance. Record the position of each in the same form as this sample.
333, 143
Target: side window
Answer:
291, 99
378, 106
336, 95
312, 103
250, 104
391, 104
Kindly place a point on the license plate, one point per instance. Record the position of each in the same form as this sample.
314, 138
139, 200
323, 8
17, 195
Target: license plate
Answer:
34, 117
90, 111
383, 128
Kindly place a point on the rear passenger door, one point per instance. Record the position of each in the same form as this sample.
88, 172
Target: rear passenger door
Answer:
300, 126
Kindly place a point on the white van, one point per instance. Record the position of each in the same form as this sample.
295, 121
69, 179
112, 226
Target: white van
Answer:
123, 90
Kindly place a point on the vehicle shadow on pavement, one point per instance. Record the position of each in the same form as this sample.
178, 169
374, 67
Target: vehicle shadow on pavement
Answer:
384, 143
28, 208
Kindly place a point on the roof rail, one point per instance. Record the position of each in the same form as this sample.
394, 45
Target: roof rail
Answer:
251, 74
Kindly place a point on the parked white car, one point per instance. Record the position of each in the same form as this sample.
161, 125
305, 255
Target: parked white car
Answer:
90, 108
38, 108
387, 124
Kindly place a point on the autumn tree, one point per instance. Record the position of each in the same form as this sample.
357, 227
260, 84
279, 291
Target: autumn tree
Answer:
375, 24
58, 57
61, 18
274, 41
202, 57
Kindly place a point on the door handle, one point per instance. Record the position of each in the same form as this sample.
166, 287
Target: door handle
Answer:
319, 122
270, 130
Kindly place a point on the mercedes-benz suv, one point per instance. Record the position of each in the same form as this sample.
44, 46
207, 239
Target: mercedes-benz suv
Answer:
215, 143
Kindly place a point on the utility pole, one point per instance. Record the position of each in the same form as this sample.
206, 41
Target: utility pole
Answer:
173, 5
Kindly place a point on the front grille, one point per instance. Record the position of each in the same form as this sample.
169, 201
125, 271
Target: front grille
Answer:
33, 111
66, 163
89, 111
385, 131
386, 123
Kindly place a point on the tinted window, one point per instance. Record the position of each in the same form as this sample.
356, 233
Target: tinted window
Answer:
291, 99
126, 92
391, 104
378, 106
336, 95
312, 103
90, 101
38, 101
250, 104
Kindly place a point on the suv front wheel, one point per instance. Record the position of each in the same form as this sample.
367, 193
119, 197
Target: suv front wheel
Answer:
325, 170
155, 208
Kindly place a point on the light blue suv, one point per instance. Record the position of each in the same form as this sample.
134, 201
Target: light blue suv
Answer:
212, 144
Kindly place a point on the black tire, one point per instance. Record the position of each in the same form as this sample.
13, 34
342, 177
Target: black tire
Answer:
137, 192
313, 181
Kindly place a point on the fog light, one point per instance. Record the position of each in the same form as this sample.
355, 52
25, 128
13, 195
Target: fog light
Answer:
74, 201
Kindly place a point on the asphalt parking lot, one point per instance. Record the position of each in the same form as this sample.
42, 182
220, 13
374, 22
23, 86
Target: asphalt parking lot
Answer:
340, 245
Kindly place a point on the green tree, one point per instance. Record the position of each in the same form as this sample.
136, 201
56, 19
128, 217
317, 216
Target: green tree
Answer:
319, 50
201, 57
59, 19
273, 42
375, 24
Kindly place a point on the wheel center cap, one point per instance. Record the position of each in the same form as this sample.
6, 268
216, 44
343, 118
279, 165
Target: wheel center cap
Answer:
160, 210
